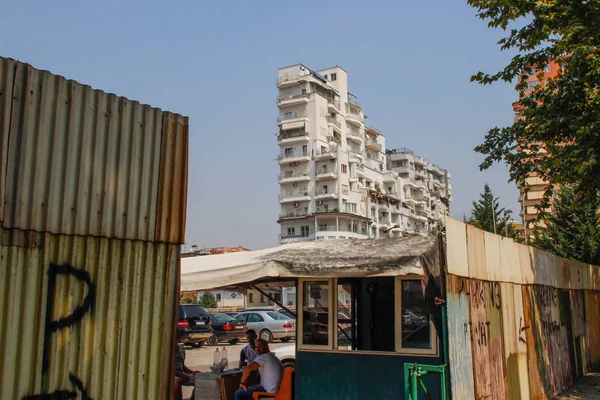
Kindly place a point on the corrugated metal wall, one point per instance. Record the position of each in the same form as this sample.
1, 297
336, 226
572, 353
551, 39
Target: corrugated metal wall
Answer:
520, 319
93, 196
78, 161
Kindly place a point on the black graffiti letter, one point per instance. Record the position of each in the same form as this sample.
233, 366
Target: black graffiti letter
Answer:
53, 326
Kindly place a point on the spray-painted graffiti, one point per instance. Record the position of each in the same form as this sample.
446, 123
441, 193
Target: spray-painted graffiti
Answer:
52, 326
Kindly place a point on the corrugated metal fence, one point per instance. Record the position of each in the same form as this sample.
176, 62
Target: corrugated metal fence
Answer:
523, 322
92, 204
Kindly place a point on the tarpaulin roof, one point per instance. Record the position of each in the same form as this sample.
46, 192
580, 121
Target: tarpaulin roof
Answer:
331, 258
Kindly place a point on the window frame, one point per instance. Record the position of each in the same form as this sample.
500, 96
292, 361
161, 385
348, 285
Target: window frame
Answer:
300, 315
332, 345
434, 351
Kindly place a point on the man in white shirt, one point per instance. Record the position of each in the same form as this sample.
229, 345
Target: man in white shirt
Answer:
270, 369
248, 353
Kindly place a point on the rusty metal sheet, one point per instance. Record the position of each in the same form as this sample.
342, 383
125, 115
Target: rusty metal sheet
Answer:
592, 308
526, 264
486, 328
459, 338
84, 162
456, 247
536, 354
544, 268
100, 318
476, 253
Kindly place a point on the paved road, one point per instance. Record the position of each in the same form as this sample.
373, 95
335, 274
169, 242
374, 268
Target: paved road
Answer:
587, 388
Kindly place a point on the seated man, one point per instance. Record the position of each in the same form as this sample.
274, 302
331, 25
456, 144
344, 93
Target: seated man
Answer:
270, 369
248, 353
185, 375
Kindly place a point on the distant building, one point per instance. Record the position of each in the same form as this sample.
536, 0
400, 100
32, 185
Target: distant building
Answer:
337, 179
531, 192
194, 251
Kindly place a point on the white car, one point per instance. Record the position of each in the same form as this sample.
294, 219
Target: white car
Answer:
287, 355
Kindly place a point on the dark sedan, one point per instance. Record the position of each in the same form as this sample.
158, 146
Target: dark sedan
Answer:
226, 329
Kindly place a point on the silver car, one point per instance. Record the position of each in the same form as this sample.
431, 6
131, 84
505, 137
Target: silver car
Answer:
269, 325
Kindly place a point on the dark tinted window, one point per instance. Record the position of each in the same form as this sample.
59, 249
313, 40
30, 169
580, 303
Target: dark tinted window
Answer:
277, 316
241, 317
255, 318
193, 312
221, 318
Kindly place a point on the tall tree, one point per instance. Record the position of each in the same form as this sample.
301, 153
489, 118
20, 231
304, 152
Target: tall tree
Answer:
208, 300
487, 213
572, 230
561, 119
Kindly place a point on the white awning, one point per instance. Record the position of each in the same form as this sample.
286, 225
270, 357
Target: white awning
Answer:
286, 126
331, 258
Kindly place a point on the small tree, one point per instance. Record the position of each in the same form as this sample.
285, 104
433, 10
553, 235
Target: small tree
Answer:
487, 214
572, 229
208, 300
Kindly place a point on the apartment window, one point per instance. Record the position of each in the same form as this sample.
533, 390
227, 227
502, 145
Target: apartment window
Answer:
303, 92
344, 169
288, 115
325, 189
304, 149
291, 231
289, 174
322, 227
531, 84
326, 207
333, 77
389, 189
325, 76
323, 168
323, 149
289, 151
547, 68
250, 297
218, 296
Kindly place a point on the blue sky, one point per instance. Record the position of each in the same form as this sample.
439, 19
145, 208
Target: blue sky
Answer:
409, 63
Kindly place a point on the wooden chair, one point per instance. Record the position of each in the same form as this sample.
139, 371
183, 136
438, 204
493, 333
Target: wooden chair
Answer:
286, 389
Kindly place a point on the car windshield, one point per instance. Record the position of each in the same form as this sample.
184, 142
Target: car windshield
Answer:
193, 311
277, 316
219, 317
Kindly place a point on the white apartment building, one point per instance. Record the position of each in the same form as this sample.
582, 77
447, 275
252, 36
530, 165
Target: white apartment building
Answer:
335, 176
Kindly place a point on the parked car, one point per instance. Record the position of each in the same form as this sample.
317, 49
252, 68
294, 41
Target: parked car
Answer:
287, 355
276, 309
232, 314
226, 329
193, 326
269, 325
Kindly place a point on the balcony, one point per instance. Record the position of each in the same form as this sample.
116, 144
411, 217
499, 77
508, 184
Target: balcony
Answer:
356, 157
295, 177
372, 131
334, 232
285, 238
285, 101
372, 145
334, 138
300, 156
374, 164
355, 137
420, 161
327, 175
293, 137
290, 80
354, 119
296, 214
294, 196
333, 122
333, 105
292, 117
326, 154
326, 195
420, 173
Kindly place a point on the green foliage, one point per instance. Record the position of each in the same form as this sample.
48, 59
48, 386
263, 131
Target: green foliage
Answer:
572, 230
208, 300
188, 300
486, 212
564, 114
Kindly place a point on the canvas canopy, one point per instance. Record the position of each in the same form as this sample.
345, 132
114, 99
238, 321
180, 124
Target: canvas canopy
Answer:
332, 258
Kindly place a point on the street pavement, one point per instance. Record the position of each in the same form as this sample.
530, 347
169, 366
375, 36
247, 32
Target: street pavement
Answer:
587, 388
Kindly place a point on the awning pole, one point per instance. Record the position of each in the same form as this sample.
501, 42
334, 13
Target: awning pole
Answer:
275, 301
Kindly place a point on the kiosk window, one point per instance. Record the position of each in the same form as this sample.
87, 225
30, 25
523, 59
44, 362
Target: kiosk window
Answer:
315, 313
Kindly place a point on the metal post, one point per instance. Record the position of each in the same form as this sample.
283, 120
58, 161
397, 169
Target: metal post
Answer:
414, 375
